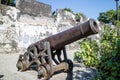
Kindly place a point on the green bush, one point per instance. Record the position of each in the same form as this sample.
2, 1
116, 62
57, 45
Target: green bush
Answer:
68, 9
77, 56
108, 64
78, 16
89, 52
8, 2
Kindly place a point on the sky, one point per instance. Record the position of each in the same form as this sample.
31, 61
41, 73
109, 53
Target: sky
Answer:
90, 8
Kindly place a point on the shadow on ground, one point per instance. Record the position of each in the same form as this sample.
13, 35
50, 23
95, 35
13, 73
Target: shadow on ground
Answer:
81, 73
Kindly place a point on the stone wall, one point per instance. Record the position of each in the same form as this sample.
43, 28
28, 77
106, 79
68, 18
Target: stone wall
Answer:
3, 9
28, 34
34, 8
18, 32
7, 39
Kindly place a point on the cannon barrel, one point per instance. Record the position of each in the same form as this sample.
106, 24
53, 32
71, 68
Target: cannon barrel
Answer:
61, 39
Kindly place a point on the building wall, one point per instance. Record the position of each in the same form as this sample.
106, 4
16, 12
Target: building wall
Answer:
34, 8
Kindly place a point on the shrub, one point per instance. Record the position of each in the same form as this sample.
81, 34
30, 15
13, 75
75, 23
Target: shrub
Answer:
67, 9
89, 52
78, 16
108, 64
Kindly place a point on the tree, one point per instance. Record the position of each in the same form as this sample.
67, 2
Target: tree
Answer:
8, 2
103, 17
108, 17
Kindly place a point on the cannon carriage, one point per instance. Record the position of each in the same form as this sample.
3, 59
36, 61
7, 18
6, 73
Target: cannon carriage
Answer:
41, 55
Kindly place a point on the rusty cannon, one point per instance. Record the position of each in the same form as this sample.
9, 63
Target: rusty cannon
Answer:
48, 56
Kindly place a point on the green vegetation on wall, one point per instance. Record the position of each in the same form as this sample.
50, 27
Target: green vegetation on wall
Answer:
68, 9
77, 15
8, 2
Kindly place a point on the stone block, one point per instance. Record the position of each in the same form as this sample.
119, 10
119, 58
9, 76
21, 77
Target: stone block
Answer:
34, 8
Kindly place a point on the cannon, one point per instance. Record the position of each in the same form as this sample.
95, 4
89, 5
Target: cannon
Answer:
44, 56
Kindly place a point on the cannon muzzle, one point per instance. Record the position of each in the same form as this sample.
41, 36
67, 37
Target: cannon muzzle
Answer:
71, 35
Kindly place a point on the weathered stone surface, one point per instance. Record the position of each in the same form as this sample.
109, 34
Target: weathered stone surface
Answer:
7, 39
65, 17
18, 31
37, 21
3, 9
34, 8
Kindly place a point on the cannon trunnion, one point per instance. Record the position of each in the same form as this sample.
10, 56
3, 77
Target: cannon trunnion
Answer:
41, 56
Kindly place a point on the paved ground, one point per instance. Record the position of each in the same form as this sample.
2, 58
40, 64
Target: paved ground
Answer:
9, 71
